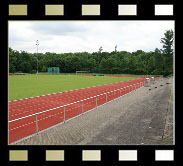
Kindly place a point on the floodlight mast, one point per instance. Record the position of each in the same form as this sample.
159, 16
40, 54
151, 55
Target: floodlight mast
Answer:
37, 44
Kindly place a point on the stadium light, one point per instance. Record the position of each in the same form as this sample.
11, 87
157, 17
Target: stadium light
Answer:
37, 44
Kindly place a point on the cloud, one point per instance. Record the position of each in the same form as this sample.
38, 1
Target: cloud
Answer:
57, 28
80, 36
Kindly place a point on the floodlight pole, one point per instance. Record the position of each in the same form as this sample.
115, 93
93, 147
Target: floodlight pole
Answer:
37, 43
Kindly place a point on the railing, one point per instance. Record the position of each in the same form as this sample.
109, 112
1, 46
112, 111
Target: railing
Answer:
27, 126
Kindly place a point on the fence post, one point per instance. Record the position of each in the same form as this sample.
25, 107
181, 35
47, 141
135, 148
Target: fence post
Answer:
96, 101
120, 92
37, 130
106, 97
114, 94
82, 106
64, 113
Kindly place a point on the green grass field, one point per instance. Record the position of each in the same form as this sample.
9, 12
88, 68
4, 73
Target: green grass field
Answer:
26, 86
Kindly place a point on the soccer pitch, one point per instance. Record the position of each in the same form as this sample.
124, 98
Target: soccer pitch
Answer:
26, 86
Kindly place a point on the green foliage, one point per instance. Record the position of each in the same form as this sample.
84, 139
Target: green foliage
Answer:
159, 62
167, 51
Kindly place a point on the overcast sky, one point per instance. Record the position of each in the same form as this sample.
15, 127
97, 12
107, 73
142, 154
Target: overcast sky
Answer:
80, 36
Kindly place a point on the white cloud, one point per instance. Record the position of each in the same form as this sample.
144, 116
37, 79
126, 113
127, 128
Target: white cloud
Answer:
80, 36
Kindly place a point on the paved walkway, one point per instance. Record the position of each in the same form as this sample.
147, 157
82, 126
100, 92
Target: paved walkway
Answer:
142, 117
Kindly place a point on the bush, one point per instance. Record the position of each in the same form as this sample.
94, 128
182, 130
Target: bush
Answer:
33, 72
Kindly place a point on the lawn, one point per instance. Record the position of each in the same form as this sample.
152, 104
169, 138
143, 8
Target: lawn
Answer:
26, 86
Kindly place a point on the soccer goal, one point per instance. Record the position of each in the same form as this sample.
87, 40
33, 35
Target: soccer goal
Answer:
81, 72
53, 71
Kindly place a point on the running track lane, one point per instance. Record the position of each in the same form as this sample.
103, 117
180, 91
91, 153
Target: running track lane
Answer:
21, 108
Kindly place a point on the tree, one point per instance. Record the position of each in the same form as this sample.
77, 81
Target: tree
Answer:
12, 61
138, 62
91, 64
103, 66
167, 51
100, 49
158, 62
111, 65
115, 48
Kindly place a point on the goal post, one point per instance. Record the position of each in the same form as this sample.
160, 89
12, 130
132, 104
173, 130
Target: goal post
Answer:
81, 72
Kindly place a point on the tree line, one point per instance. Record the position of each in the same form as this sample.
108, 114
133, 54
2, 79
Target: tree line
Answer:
157, 62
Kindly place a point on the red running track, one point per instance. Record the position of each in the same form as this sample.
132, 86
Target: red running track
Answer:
27, 126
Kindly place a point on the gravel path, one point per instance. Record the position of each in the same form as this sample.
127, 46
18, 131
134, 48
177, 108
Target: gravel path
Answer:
144, 116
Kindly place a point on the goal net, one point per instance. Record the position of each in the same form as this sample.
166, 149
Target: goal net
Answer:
81, 72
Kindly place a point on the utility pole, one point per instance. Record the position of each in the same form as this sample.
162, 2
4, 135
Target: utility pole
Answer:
37, 44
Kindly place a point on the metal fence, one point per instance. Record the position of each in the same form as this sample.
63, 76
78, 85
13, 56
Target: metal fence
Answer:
27, 126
